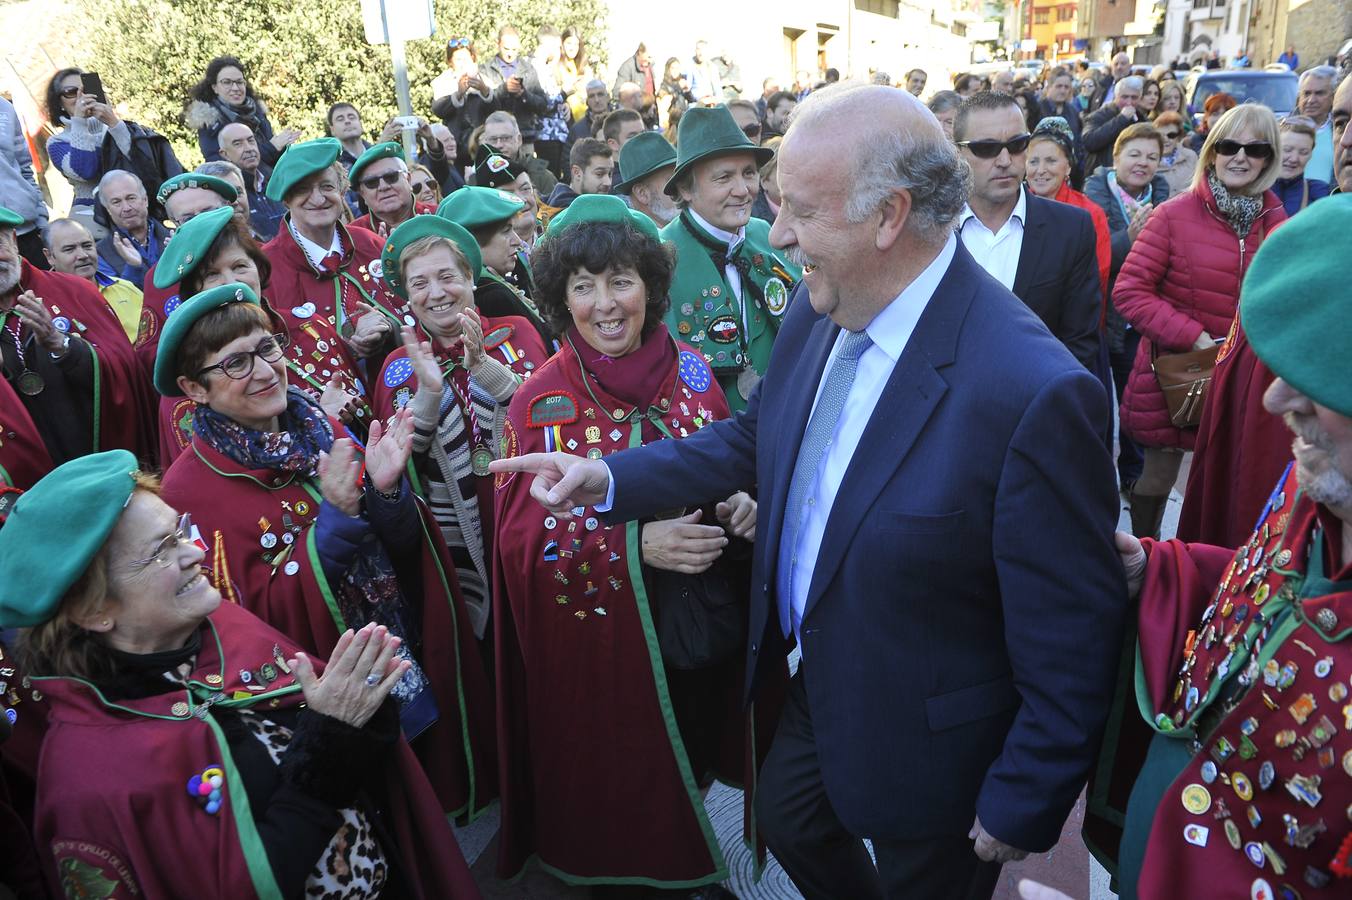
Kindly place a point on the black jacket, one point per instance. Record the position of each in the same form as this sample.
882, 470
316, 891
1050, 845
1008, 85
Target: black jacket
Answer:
1100, 131
527, 106
151, 159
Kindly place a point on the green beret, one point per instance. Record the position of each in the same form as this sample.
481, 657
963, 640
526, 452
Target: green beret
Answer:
416, 229
601, 208
189, 245
709, 131
197, 180
473, 207
642, 155
300, 161
387, 150
177, 326
1294, 305
9, 218
56, 530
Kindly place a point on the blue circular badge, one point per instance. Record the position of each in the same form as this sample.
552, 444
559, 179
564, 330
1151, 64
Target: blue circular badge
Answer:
172, 304
694, 371
397, 372
61, 323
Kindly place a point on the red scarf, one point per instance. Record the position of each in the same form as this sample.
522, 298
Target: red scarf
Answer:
636, 377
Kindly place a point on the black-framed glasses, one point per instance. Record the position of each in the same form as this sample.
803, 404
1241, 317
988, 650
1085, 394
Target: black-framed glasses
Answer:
230, 82
182, 534
371, 182
991, 149
238, 366
1254, 150
70, 93
751, 130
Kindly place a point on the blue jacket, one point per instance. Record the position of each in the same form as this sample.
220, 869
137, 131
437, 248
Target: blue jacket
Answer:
963, 624
1291, 191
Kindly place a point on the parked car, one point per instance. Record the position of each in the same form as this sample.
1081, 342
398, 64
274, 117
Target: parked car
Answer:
1275, 90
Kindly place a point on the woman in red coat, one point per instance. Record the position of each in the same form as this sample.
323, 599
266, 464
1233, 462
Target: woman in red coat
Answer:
1179, 286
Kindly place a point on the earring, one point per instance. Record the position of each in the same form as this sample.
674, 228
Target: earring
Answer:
105, 623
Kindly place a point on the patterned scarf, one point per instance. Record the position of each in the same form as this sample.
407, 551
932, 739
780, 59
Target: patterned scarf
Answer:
303, 432
1241, 211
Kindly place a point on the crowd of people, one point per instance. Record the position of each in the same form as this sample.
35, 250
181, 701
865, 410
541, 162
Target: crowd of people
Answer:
346, 493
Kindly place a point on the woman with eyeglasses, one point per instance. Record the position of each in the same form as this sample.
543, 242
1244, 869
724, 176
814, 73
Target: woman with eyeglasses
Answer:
1292, 187
317, 533
1178, 162
230, 761
224, 95
1179, 286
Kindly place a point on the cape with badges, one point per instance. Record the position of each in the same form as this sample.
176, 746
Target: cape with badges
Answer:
257, 529
133, 831
125, 407
1243, 671
706, 313
596, 782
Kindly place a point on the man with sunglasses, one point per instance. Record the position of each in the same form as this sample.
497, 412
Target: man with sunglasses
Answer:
240, 146
380, 176
1041, 250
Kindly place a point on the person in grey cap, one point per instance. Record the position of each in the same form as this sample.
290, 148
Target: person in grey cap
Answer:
647, 162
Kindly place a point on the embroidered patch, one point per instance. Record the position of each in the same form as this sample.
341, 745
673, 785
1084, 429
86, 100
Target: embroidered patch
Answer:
776, 296
182, 419
402, 398
398, 371
88, 870
497, 163
509, 449
147, 329
724, 330
552, 408
304, 311
172, 304
694, 371
498, 336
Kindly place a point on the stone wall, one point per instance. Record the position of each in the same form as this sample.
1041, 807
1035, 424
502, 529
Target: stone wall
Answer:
1317, 28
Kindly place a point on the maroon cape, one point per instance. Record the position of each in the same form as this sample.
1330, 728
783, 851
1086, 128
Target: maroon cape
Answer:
257, 529
133, 831
597, 784
1241, 449
23, 456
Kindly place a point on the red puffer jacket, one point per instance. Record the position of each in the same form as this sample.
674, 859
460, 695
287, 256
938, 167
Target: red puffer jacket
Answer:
1181, 278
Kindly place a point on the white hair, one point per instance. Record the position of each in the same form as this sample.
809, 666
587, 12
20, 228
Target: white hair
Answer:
112, 175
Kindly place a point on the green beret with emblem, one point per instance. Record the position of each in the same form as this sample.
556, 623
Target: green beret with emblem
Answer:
387, 150
417, 228
9, 218
189, 245
706, 132
177, 326
197, 180
56, 529
641, 156
601, 208
1294, 305
299, 162
474, 207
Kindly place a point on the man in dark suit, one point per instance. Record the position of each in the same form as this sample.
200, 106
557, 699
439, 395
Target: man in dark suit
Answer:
938, 527
1040, 249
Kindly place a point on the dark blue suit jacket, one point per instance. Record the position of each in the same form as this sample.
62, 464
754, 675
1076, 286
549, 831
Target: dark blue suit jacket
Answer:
963, 624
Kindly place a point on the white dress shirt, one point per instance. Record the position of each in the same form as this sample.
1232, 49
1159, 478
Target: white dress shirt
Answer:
996, 252
889, 331
732, 240
313, 252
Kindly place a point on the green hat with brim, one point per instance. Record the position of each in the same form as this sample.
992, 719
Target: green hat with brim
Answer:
177, 326
56, 529
189, 245
643, 155
1294, 305
706, 132
197, 180
600, 208
387, 150
299, 162
474, 207
417, 228
9, 218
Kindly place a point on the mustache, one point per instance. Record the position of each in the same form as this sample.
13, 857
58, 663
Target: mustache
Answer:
796, 256
1309, 431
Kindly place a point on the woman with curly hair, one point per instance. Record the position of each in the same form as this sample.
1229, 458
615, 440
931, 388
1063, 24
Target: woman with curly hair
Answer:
224, 95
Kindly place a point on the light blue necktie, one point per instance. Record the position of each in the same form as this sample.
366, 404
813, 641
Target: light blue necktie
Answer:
821, 429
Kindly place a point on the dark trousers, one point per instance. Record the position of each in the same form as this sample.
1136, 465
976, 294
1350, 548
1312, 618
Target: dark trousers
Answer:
31, 247
1130, 459
552, 152
827, 861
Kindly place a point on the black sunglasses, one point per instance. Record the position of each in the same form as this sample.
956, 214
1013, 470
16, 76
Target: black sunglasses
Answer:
70, 92
1171, 135
238, 366
1255, 150
991, 149
751, 130
371, 182
420, 186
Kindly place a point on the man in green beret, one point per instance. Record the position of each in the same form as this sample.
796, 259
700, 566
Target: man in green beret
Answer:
380, 176
730, 288
647, 162
1242, 660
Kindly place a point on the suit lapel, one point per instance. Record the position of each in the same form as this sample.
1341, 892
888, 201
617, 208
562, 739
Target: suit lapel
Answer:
1030, 250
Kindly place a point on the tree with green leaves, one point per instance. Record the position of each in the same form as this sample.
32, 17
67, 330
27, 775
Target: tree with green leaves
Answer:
301, 56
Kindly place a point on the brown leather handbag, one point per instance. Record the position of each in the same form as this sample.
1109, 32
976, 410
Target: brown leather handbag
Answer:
1184, 378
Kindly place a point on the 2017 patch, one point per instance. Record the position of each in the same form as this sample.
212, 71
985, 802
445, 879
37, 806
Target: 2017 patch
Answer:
552, 408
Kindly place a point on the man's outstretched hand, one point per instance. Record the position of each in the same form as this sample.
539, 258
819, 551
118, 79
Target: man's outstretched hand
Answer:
562, 481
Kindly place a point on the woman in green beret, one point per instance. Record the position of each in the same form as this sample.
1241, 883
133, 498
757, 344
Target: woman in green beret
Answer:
192, 750
613, 712
489, 214
315, 533
456, 373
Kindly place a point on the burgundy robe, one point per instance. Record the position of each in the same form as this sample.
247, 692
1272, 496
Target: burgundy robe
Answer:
23, 456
